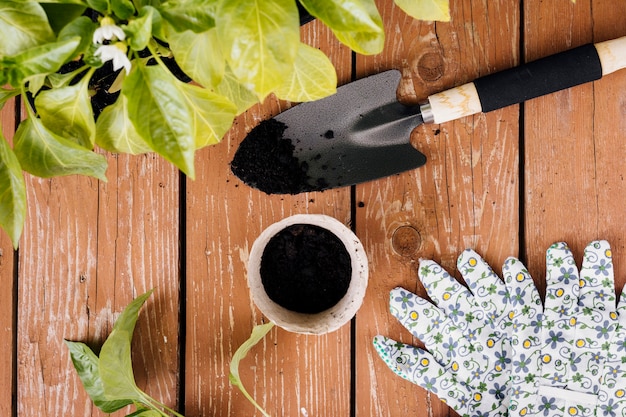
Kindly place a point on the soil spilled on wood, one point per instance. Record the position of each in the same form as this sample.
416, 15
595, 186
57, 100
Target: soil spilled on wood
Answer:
305, 268
265, 160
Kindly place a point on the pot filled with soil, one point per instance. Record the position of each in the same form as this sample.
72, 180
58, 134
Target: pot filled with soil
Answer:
308, 273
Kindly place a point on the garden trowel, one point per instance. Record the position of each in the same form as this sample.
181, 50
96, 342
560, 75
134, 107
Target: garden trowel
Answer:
362, 133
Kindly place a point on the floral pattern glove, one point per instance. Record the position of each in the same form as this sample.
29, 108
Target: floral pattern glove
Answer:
562, 356
467, 359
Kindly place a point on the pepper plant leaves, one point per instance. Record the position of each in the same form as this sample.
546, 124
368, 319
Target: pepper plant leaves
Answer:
356, 23
236, 92
313, 78
260, 41
426, 9
116, 133
140, 29
87, 366
67, 112
195, 15
123, 9
45, 154
115, 364
13, 194
157, 107
199, 55
23, 25
59, 15
83, 28
212, 114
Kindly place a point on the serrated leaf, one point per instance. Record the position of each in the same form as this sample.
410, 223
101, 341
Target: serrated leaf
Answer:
260, 41
67, 112
158, 110
438, 10
86, 365
258, 333
199, 55
115, 364
45, 154
356, 23
26, 25
213, 114
116, 133
314, 77
12, 193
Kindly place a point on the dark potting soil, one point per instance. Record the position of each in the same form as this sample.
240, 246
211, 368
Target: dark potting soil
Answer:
265, 160
305, 268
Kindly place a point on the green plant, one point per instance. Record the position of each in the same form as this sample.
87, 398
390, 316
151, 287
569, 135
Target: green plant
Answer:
57, 54
109, 378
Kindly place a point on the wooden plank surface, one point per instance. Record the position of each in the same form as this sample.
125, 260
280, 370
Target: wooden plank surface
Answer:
466, 196
287, 373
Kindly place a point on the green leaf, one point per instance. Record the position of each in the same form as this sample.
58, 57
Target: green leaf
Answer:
157, 107
116, 368
213, 114
67, 112
139, 30
6, 95
82, 28
236, 92
258, 333
44, 59
60, 15
123, 8
116, 133
314, 77
100, 5
86, 365
356, 23
194, 15
26, 25
426, 9
12, 194
45, 154
199, 55
260, 41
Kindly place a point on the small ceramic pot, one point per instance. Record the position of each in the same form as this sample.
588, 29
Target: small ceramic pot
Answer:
325, 321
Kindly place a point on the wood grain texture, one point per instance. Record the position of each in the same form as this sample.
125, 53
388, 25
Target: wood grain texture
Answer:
466, 196
574, 140
7, 290
88, 249
286, 372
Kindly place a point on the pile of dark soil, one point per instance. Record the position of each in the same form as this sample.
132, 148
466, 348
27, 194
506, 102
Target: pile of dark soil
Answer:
305, 268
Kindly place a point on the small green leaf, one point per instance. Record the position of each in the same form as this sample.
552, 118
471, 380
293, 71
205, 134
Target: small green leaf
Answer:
13, 194
313, 78
45, 154
260, 41
139, 30
115, 364
67, 112
258, 333
116, 133
213, 114
100, 5
199, 55
194, 15
26, 25
123, 8
356, 23
158, 110
86, 365
44, 59
438, 10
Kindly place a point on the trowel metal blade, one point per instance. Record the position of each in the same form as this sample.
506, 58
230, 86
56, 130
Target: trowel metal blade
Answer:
359, 134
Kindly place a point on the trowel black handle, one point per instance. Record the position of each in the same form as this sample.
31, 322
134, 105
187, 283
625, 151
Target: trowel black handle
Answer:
544, 76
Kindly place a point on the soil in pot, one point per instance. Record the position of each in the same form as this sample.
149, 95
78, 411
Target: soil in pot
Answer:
305, 268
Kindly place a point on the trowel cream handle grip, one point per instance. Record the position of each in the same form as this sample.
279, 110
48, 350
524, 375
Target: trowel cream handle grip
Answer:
547, 75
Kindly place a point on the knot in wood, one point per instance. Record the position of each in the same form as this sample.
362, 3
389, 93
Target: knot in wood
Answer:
406, 241
430, 66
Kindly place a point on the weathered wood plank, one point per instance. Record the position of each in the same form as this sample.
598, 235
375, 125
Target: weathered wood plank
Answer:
286, 372
7, 290
88, 249
574, 170
465, 196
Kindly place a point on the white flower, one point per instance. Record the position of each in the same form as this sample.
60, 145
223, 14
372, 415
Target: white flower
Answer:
108, 30
115, 53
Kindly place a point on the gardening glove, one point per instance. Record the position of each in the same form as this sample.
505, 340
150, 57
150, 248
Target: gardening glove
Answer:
560, 353
467, 362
